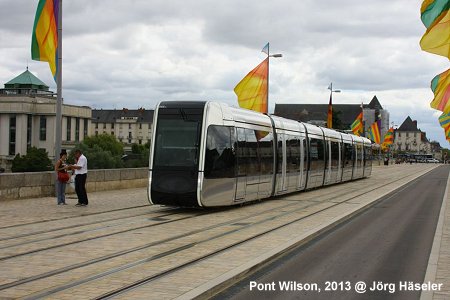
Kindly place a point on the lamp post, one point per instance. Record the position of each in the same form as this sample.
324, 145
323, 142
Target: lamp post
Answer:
330, 106
266, 50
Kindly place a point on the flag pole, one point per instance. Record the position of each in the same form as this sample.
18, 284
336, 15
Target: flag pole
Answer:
268, 64
58, 121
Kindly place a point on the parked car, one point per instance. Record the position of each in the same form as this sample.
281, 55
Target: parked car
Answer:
433, 160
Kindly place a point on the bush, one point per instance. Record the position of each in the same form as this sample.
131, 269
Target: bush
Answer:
35, 160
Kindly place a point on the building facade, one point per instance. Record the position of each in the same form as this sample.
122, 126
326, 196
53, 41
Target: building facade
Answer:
28, 118
128, 126
409, 138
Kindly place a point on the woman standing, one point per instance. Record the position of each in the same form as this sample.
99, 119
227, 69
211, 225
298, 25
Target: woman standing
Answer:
61, 175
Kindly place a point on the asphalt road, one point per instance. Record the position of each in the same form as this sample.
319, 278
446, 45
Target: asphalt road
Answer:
389, 243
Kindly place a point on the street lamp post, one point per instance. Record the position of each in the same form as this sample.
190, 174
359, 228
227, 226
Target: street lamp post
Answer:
276, 55
330, 106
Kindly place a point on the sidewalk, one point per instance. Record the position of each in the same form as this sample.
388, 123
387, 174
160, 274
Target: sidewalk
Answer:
438, 270
24, 211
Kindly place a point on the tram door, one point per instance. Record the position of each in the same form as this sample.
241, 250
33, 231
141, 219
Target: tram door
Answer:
241, 165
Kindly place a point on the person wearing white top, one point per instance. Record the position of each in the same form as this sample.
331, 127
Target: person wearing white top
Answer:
80, 169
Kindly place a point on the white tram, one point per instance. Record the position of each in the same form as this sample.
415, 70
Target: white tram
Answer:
210, 154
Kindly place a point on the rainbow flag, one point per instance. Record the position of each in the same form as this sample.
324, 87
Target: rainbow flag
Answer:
357, 125
252, 89
444, 120
436, 18
388, 138
374, 132
44, 42
440, 85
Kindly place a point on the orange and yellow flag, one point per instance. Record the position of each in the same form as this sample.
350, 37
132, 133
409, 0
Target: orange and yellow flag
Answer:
252, 89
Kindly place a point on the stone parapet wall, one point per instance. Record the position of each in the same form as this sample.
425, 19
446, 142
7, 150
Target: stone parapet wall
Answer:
42, 184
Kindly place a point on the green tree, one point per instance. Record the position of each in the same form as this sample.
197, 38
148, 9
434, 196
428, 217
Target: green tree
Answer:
35, 160
103, 151
139, 156
337, 122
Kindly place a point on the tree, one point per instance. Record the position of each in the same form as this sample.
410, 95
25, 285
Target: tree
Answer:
35, 160
139, 156
337, 122
103, 151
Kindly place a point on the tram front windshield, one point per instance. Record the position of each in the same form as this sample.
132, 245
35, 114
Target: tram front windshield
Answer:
177, 137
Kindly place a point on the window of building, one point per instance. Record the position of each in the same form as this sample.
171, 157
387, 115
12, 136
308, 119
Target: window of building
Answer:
85, 129
140, 142
112, 132
104, 125
43, 128
77, 129
140, 125
12, 135
129, 135
129, 141
69, 128
112, 125
29, 127
96, 125
129, 126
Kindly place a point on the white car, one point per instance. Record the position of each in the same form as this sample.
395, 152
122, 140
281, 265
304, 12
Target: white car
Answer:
433, 160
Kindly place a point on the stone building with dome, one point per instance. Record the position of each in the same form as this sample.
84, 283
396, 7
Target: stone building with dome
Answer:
28, 117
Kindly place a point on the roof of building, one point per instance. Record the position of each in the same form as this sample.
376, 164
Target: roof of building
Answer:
374, 103
315, 112
111, 115
309, 112
408, 125
26, 79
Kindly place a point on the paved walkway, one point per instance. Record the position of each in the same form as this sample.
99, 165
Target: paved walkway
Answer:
68, 252
439, 264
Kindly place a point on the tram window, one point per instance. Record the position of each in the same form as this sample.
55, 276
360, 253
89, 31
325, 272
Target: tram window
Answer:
316, 152
359, 156
305, 157
241, 152
219, 157
177, 138
252, 148
266, 154
280, 153
334, 154
293, 154
367, 156
348, 154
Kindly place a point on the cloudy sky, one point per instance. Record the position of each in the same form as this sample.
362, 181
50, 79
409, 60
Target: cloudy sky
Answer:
136, 53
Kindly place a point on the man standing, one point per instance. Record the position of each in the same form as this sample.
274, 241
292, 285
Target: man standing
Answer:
80, 178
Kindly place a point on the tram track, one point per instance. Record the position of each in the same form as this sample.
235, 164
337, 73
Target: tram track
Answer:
93, 238
70, 217
104, 227
106, 235
85, 224
186, 246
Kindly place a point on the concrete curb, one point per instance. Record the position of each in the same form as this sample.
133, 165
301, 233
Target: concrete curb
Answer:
430, 274
213, 287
